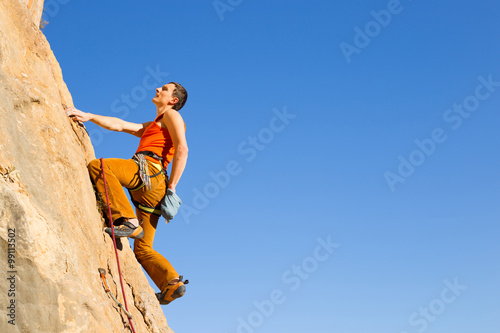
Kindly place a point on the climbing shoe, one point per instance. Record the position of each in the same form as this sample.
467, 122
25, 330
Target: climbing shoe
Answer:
174, 290
127, 229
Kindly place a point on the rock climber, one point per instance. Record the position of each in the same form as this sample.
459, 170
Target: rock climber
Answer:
162, 141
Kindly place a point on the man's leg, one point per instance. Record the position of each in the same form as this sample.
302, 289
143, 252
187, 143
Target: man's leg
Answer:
158, 268
119, 173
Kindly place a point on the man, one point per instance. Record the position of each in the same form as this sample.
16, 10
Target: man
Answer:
163, 141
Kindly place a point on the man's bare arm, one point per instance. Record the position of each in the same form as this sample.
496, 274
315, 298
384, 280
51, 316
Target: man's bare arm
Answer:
175, 125
109, 123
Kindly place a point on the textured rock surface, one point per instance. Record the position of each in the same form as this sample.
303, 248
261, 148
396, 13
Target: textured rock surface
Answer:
46, 195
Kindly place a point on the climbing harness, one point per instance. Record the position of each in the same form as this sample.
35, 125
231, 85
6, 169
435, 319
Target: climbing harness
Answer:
106, 287
141, 161
114, 244
144, 171
171, 202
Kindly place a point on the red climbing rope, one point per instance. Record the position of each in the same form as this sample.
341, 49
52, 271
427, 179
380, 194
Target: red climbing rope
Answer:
114, 243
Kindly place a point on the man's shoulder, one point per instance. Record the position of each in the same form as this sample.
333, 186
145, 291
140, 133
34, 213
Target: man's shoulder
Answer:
172, 116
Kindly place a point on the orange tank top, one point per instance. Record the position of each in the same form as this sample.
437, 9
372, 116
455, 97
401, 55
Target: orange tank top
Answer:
158, 140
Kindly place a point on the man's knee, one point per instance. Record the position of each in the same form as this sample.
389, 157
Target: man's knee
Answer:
94, 165
94, 168
142, 249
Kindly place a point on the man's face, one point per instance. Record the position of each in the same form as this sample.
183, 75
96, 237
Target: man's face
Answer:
164, 95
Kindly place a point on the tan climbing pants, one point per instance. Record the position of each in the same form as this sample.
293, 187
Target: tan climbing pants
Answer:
121, 173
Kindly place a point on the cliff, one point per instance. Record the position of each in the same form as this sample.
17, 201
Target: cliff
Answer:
51, 237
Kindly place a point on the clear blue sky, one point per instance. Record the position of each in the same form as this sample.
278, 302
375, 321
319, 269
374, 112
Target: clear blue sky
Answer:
371, 126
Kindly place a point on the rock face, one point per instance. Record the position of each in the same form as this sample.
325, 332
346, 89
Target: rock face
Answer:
51, 237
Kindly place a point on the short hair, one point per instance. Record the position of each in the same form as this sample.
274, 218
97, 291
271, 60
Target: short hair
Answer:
181, 94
